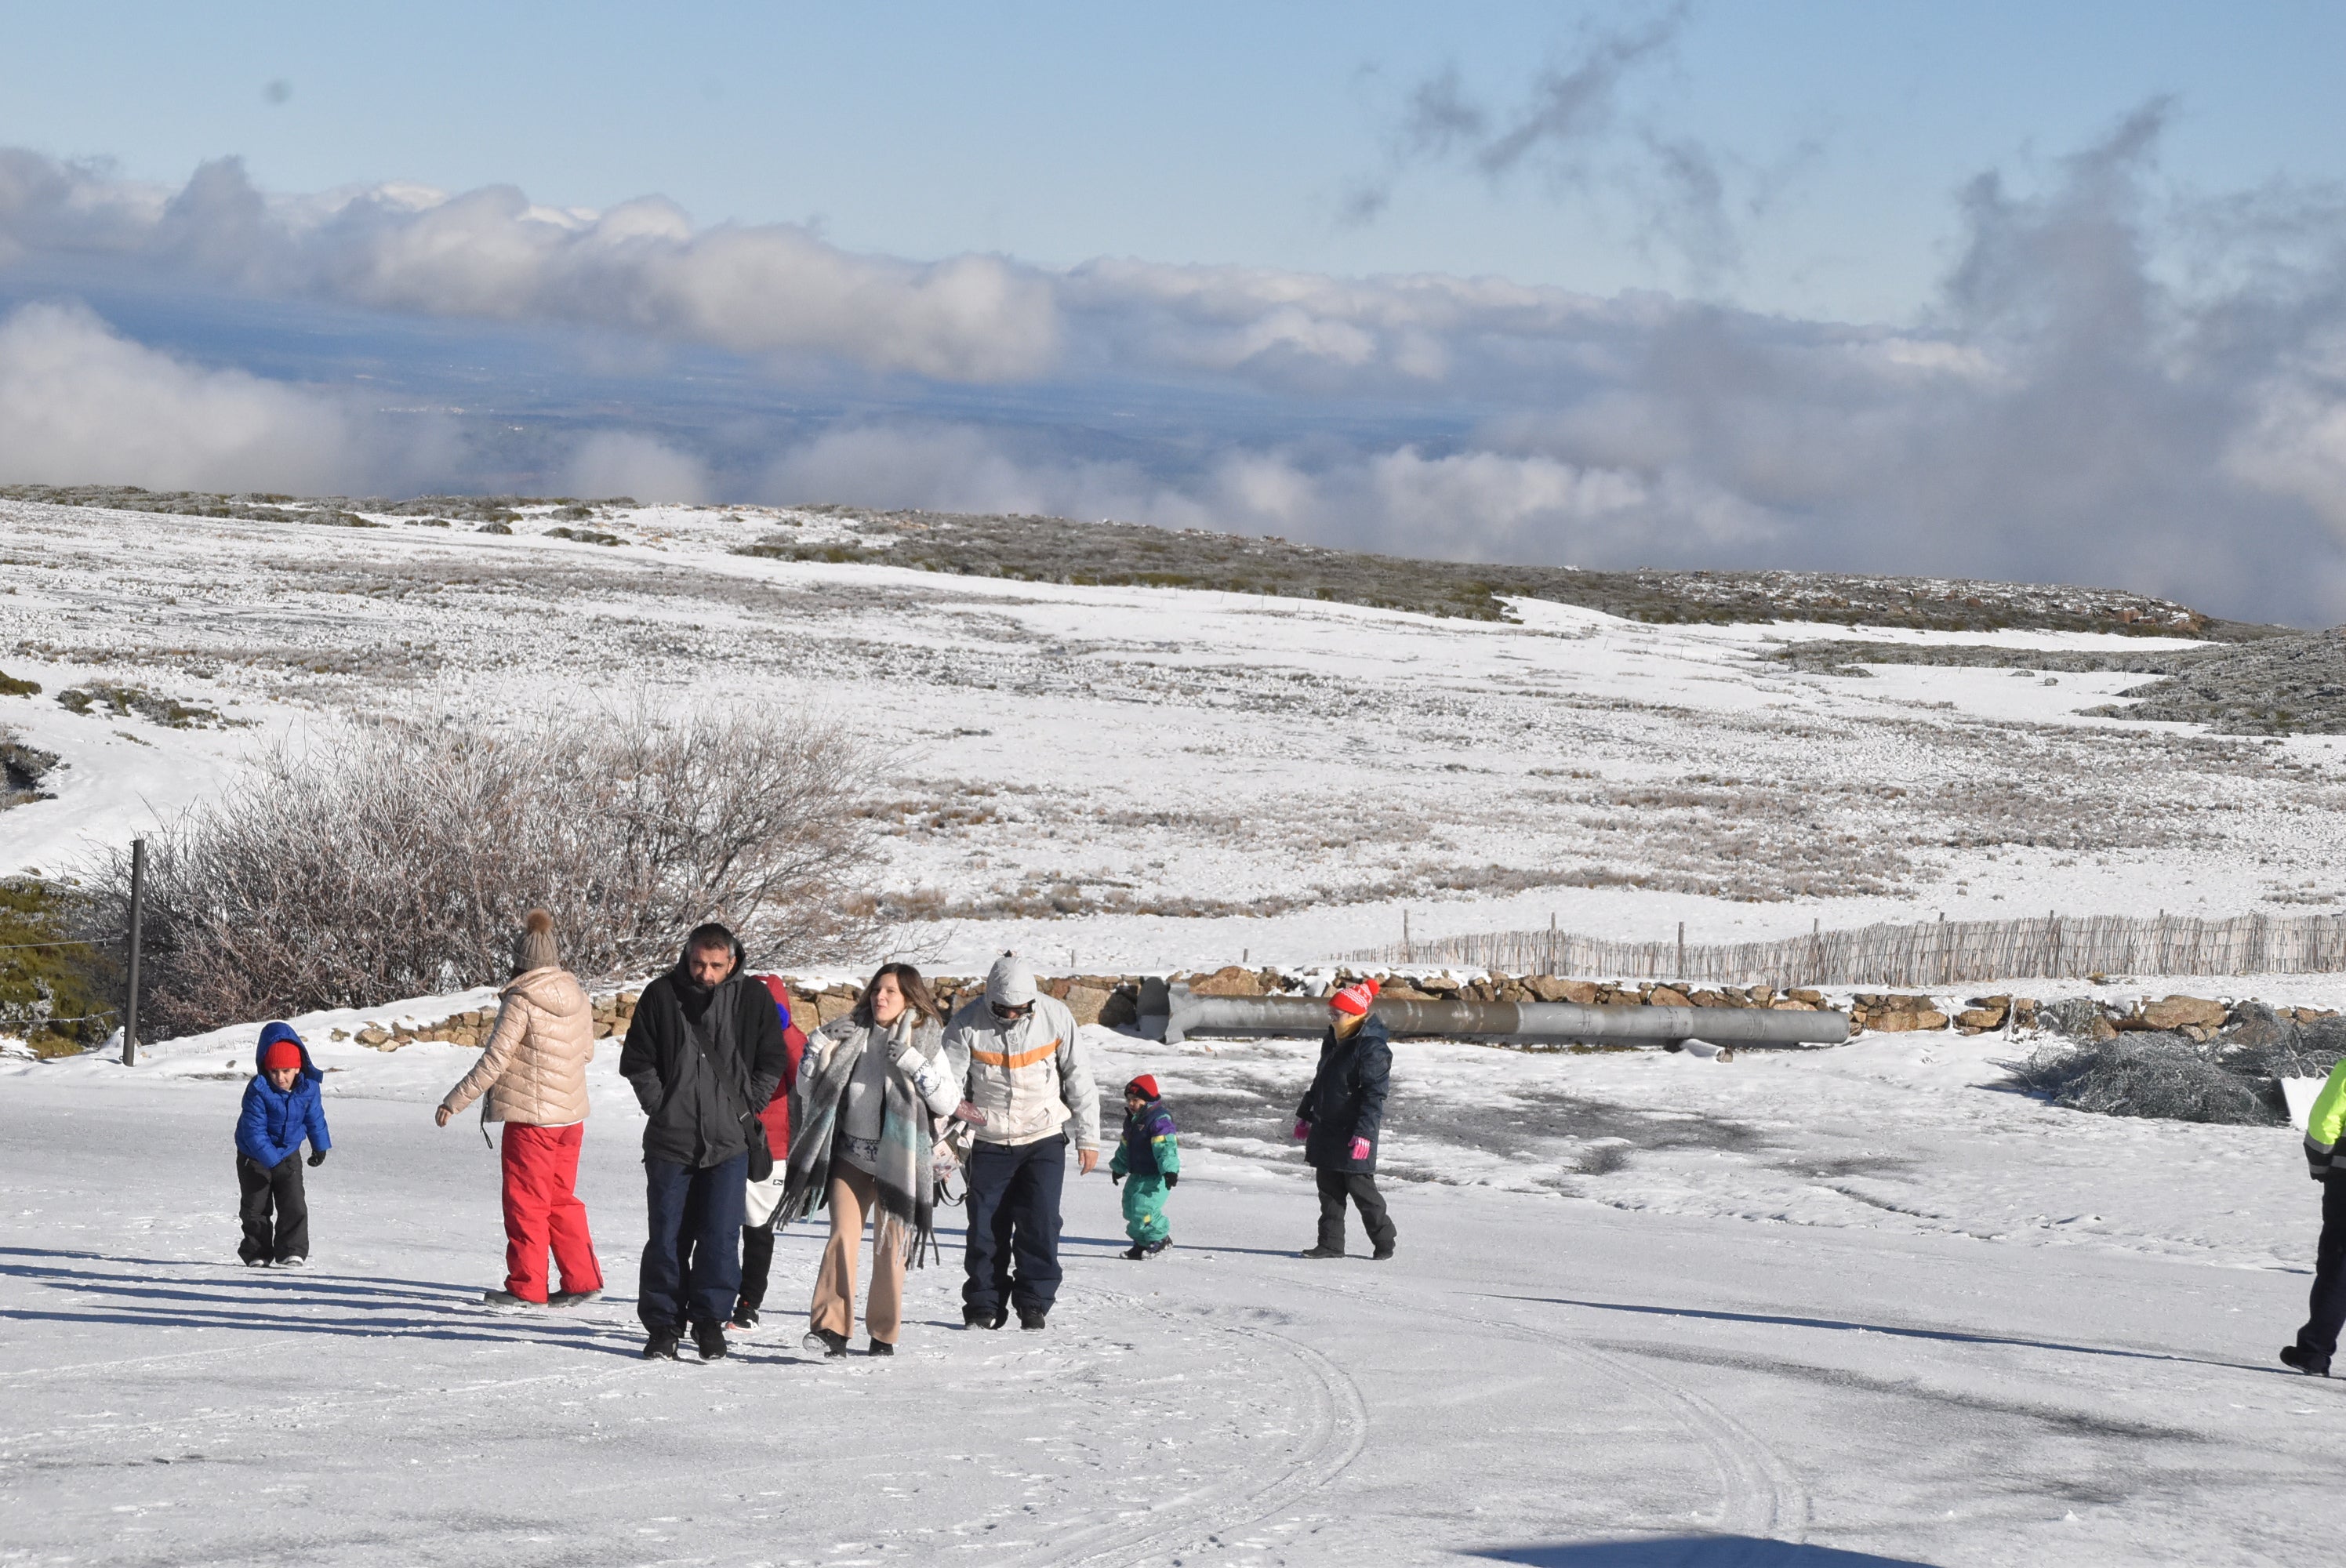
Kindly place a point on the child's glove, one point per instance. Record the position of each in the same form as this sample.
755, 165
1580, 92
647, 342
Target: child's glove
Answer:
1303, 1129
317, 1157
1115, 1179
1360, 1148
1172, 1179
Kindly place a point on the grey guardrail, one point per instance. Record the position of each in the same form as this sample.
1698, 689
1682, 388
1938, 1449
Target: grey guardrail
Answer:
1523, 1021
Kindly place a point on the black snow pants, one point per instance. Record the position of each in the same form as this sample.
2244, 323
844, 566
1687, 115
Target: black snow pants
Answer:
261, 1187
756, 1264
2327, 1310
1361, 1187
1014, 1225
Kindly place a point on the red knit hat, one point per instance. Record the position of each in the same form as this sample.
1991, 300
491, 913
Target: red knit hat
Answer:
1145, 1085
281, 1054
1358, 997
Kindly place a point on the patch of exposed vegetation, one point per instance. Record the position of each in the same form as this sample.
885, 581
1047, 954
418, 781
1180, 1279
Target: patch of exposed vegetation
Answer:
1850, 659
22, 770
584, 537
2280, 686
11, 686
1057, 550
56, 988
122, 701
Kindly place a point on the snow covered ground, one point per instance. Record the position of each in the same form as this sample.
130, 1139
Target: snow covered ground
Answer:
1198, 776
1857, 1306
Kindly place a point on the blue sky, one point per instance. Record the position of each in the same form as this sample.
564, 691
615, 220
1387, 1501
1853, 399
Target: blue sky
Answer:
1787, 277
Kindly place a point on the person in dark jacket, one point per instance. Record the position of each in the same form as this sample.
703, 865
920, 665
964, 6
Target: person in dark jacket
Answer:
1341, 1116
282, 1105
764, 1198
704, 1055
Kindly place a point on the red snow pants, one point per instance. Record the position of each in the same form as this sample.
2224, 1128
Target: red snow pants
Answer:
543, 1209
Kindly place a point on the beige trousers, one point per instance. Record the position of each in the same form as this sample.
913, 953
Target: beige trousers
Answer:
853, 1192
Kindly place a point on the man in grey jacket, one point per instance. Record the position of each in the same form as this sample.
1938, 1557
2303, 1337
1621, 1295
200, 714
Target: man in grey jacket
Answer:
1022, 1065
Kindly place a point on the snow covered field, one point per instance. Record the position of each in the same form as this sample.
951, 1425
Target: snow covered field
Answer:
1195, 776
1648, 1309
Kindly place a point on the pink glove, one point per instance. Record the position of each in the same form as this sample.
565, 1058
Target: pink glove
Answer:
1360, 1148
1303, 1130
966, 1111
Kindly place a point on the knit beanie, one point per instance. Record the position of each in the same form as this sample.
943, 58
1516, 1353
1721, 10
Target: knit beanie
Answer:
1011, 982
279, 1056
1144, 1086
1358, 997
535, 948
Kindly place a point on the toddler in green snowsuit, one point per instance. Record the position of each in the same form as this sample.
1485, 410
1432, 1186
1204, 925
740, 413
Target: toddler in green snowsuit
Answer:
1147, 1161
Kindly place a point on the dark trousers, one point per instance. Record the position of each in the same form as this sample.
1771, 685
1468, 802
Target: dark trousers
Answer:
2327, 1310
261, 1187
1361, 1187
692, 1253
756, 1264
1014, 1225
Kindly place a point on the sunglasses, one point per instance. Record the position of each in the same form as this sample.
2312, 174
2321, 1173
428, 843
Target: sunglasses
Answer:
1006, 1013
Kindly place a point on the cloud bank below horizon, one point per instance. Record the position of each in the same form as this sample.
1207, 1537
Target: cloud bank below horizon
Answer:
2114, 385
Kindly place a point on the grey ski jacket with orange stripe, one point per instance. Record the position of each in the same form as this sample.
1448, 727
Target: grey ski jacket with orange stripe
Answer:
1029, 1077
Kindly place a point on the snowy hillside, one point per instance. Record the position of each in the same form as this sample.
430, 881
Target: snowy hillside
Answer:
1133, 777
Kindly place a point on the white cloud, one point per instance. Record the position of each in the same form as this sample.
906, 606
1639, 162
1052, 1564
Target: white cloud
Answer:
612, 462
80, 404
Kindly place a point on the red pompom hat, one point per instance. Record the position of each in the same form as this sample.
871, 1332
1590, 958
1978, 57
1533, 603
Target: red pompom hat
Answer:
1357, 998
1144, 1086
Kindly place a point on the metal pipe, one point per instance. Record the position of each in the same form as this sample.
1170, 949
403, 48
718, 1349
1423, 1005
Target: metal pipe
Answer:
1556, 1020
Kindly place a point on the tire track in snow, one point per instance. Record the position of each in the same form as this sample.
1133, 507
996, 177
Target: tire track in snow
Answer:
1760, 1494
1336, 1431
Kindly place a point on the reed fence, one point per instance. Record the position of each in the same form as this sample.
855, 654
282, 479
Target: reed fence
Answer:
1936, 953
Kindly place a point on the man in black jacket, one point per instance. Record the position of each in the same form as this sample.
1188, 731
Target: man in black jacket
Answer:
705, 1049
1341, 1117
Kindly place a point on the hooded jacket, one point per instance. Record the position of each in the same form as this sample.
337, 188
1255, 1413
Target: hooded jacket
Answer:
534, 1069
1029, 1077
273, 1124
698, 1083
1347, 1098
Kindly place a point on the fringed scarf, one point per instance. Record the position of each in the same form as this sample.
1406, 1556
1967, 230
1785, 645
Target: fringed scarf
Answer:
904, 1172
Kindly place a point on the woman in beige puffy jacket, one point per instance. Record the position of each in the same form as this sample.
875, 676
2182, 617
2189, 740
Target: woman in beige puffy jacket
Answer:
534, 1073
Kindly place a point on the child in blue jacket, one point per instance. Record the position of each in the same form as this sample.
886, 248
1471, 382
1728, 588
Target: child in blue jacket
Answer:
1147, 1161
282, 1105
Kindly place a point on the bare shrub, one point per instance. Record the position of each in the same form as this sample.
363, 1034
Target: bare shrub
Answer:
2169, 1076
402, 864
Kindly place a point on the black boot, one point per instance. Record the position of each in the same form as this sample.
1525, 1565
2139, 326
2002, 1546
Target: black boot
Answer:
1032, 1318
1323, 1250
829, 1341
709, 1338
2304, 1361
985, 1316
661, 1346
880, 1348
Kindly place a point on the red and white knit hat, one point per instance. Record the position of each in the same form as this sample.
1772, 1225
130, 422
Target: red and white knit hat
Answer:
1357, 998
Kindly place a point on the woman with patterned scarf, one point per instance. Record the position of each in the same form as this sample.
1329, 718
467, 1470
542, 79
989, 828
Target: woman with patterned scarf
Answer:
864, 1129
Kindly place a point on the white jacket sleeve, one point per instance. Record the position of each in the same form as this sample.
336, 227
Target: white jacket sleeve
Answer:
932, 1076
1076, 1086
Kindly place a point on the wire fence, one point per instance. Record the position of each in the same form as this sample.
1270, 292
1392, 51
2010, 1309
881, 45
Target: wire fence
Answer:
1937, 952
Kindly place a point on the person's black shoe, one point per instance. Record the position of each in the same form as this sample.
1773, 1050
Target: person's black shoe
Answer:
1159, 1245
880, 1348
2302, 1361
1384, 1250
1031, 1317
709, 1338
825, 1340
1137, 1251
985, 1316
1322, 1252
506, 1301
743, 1321
661, 1346
571, 1297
